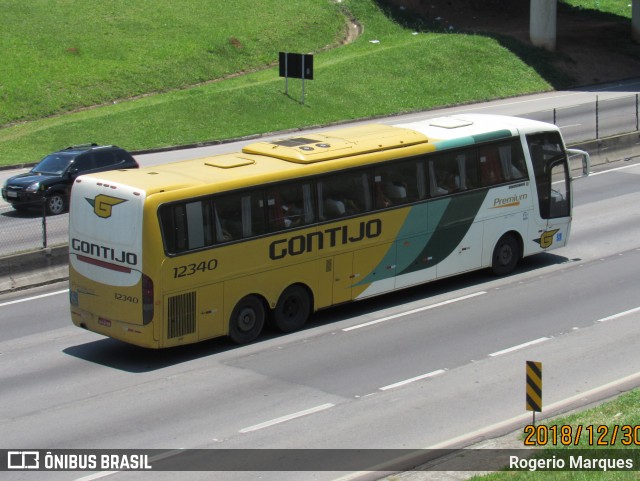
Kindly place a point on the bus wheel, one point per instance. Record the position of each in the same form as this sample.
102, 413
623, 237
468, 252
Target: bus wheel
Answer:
247, 320
506, 255
293, 309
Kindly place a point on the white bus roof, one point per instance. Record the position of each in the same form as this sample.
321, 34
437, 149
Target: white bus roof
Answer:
468, 125
308, 153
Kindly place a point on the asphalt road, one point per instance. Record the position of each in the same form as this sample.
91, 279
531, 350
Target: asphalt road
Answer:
437, 365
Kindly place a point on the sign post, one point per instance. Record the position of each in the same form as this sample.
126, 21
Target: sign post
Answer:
296, 65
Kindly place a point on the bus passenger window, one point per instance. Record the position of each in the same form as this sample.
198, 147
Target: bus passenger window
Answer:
228, 219
239, 216
399, 183
173, 223
187, 226
501, 163
444, 176
512, 160
467, 170
490, 166
343, 195
290, 206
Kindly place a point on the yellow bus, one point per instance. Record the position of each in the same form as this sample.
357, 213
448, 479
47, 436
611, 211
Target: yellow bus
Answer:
178, 253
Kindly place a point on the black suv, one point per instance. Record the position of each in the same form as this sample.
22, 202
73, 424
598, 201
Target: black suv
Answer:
51, 179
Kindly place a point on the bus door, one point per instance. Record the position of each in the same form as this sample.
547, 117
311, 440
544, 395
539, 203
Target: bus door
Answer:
553, 187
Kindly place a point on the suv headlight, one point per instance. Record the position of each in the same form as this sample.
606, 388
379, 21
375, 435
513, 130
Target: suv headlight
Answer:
33, 187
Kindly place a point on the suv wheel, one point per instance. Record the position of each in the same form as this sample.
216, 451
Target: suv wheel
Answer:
56, 204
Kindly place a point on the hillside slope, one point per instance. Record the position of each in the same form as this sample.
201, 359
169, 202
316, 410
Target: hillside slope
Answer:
593, 47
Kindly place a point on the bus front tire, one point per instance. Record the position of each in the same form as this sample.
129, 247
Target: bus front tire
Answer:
293, 309
247, 320
506, 255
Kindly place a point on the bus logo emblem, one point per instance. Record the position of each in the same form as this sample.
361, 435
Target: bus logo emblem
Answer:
546, 239
103, 204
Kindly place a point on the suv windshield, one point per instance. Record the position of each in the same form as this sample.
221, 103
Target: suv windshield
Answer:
54, 163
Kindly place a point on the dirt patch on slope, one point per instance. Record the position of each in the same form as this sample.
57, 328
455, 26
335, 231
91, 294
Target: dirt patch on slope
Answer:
590, 47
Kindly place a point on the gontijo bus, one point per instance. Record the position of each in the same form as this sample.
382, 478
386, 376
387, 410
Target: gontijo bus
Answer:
178, 253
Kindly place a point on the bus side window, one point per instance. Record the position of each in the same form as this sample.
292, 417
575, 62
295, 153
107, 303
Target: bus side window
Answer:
399, 183
187, 226
239, 216
228, 219
501, 163
490, 166
512, 161
467, 170
344, 194
173, 224
445, 175
290, 205
252, 214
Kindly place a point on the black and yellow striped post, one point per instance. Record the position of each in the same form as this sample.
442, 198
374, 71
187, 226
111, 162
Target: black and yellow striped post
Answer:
534, 387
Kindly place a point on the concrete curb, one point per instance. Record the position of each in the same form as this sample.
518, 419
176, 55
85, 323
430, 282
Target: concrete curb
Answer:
50, 265
612, 149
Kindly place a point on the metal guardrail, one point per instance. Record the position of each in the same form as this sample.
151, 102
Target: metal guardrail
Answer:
609, 118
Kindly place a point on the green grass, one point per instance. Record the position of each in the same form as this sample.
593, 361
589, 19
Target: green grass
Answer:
61, 55
147, 67
624, 410
621, 8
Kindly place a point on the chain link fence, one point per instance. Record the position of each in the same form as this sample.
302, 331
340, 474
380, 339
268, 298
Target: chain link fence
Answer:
29, 231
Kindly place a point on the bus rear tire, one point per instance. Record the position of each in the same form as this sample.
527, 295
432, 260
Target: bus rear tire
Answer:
506, 255
293, 309
247, 320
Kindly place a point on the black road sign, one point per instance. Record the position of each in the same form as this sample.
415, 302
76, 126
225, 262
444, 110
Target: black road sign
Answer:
296, 65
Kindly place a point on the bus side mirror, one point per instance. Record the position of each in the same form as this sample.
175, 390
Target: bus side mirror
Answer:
581, 156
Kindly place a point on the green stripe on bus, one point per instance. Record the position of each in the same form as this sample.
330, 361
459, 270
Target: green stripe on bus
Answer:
451, 229
473, 139
447, 221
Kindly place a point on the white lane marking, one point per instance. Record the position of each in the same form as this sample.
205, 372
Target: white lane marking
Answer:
620, 314
26, 299
413, 311
520, 346
286, 418
413, 379
613, 170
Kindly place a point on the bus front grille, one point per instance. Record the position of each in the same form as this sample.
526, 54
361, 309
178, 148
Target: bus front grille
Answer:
181, 315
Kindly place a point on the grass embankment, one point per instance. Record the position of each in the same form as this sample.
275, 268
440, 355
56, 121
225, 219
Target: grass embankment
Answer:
79, 55
621, 412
